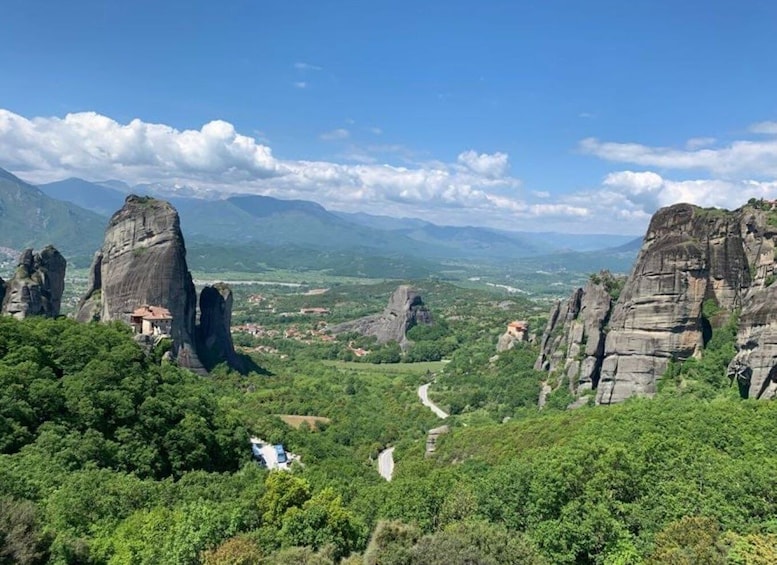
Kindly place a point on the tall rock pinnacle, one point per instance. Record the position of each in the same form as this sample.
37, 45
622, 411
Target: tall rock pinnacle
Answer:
143, 263
37, 285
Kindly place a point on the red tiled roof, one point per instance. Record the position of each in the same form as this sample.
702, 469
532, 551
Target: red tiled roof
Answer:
152, 313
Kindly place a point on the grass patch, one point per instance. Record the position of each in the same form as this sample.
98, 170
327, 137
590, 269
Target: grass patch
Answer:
295, 420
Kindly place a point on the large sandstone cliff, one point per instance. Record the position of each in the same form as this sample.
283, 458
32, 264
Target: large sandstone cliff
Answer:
572, 345
214, 338
690, 256
405, 309
143, 262
36, 286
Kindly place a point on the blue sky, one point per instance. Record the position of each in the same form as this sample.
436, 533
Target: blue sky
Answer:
586, 116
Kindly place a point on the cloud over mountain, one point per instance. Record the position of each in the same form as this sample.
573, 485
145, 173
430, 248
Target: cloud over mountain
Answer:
216, 156
476, 188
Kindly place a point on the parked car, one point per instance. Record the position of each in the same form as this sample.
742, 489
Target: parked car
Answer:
281, 454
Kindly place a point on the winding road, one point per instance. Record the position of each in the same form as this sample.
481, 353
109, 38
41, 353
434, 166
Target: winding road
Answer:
423, 394
386, 457
386, 463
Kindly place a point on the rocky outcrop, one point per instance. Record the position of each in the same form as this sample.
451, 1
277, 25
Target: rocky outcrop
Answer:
690, 257
214, 338
405, 309
572, 344
37, 285
431, 439
506, 342
143, 263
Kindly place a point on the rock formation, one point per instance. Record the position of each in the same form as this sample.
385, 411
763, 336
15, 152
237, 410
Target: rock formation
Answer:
143, 262
572, 345
405, 309
36, 286
214, 338
517, 332
689, 256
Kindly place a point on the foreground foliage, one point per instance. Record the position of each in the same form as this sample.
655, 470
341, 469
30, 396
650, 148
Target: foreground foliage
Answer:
108, 456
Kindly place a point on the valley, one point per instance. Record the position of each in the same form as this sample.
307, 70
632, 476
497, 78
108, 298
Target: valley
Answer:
353, 367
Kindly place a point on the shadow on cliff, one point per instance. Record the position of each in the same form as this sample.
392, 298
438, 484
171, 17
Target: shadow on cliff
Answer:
240, 363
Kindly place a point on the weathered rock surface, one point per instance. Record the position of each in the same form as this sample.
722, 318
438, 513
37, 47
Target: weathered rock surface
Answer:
505, 342
214, 338
405, 309
37, 285
689, 256
572, 344
431, 439
143, 262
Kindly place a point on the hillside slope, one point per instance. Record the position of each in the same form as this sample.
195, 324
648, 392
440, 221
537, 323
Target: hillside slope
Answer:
29, 218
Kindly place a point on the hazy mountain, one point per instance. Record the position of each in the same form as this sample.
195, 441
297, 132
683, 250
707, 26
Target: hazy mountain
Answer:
97, 197
531, 243
298, 224
30, 218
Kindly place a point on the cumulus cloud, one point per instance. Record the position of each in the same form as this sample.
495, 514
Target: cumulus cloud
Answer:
647, 191
300, 84
725, 176
490, 165
475, 189
87, 141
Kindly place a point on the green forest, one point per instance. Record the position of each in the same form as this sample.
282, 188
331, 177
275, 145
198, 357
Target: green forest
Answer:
108, 454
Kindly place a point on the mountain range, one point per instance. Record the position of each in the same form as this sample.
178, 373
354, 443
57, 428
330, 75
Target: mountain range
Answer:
72, 213
30, 218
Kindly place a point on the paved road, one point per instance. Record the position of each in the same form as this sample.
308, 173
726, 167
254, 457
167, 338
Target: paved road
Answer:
386, 463
423, 394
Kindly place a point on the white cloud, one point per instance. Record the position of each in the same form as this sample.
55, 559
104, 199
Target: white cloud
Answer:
490, 165
87, 141
648, 191
735, 172
376, 131
300, 66
474, 190
745, 157
699, 142
335, 135
767, 128
300, 84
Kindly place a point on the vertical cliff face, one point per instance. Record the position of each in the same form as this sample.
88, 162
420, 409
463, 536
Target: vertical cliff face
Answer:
214, 338
143, 262
689, 256
37, 285
572, 345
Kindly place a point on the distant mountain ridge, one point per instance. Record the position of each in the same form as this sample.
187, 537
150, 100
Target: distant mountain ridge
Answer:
253, 219
30, 218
